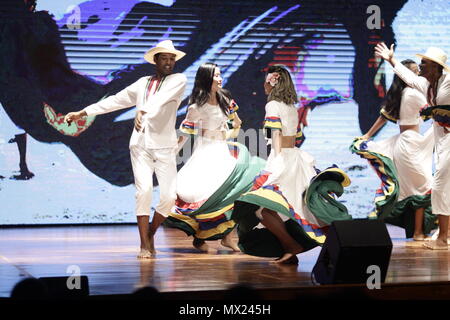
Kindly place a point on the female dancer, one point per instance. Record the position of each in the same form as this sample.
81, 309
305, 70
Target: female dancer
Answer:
435, 86
404, 159
285, 195
218, 171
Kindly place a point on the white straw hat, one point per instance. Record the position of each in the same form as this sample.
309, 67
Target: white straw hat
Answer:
436, 55
165, 46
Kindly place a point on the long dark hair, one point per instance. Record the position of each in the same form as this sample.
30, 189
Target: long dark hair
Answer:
433, 77
202, 88
284, 90
394, 94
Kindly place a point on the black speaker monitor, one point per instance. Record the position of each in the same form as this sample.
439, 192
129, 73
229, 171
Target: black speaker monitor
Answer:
66, 287
350, 248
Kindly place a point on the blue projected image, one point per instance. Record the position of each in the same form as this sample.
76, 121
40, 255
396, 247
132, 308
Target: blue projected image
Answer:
90, 49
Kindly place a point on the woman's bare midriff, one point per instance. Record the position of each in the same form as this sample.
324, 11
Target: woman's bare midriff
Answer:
214, 134
287, 141
414, 127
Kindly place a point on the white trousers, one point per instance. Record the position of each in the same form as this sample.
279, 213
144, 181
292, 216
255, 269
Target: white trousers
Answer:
440, 194
162, 162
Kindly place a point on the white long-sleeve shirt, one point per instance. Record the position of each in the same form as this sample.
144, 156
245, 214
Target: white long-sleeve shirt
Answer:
422, 84
161, 105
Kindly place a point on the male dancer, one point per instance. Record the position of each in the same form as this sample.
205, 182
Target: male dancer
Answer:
153, 143
435, 86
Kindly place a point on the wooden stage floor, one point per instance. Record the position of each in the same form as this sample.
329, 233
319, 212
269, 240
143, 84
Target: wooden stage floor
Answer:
107, 255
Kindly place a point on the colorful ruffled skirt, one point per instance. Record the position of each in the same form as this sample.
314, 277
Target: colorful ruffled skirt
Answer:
216, 174
303, 197
404, 164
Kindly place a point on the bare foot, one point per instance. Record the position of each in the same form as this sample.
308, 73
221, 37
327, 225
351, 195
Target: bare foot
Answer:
436, 245
419, 237
422, 237
288, 258
151, 241
229, 243
200, 244
144, 254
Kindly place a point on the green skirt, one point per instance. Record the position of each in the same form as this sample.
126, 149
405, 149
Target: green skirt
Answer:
211, 219
319, 198
387, 207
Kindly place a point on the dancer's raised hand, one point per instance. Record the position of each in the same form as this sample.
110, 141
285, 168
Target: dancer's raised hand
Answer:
381, 50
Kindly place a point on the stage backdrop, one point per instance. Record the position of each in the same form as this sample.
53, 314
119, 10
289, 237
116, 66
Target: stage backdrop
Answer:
69, 54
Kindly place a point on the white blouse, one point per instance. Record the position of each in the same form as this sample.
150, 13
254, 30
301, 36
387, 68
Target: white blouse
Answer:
411, 103
209, 117
281, 116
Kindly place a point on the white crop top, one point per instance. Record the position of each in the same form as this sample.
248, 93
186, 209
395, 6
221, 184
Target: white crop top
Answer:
281, 116
412, 102
209, 117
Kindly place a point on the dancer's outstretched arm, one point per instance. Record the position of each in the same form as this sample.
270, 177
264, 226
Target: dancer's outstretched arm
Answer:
380, 122
125, 98
382, 51
410, 78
